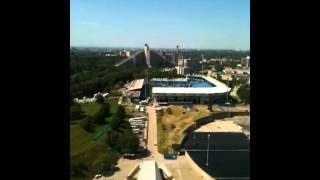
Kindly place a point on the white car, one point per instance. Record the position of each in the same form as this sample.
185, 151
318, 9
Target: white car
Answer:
97, 176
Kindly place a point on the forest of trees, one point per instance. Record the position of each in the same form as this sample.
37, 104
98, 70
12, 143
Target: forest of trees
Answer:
92, 72
216, 54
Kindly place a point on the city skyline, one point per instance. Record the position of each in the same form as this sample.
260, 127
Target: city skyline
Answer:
206, 24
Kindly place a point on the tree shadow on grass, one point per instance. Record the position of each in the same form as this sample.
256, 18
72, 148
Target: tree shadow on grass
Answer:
143, 154
111, 172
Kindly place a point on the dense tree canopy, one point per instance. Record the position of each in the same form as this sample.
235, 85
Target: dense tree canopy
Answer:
75, 112
117, 118
228, 54
102, 164
99, 99
244, 93
100, 116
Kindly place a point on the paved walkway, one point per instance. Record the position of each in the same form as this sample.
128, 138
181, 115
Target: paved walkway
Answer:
180, 168
152, 135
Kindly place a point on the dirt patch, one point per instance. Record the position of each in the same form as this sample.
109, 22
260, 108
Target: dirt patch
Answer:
173, 122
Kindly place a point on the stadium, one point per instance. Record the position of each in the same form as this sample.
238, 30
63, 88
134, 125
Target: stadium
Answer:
188, 90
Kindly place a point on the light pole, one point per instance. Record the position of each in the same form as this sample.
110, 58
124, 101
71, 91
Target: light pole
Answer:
227, 103
145, 86
207, 164
202, 64
202, 67
194, 134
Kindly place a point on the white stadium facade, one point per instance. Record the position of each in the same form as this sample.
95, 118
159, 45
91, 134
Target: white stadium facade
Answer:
188, 90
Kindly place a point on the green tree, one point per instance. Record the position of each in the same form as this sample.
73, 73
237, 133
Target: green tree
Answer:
128, 142
117, 118
120, 112
86, 124
71, 99
76, 112
219, 67
102, 164
101, 115
111, 138
76, 168
244, 93
99, 99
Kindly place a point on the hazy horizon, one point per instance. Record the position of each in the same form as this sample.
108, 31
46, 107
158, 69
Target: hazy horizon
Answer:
141, 47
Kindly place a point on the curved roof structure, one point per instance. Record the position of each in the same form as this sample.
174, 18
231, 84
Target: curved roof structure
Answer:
216, 88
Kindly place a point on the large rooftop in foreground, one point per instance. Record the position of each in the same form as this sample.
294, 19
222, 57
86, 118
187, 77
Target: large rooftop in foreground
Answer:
188, 85
223, 155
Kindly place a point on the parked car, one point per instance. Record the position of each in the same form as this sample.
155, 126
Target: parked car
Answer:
129, 156
143, 102
97, 176
170, 156
181, 152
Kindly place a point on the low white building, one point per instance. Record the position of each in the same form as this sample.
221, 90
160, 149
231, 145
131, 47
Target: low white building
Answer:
90, 100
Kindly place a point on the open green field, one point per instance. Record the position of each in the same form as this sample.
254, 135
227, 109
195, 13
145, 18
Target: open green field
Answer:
170, 126
90, 109
79, 139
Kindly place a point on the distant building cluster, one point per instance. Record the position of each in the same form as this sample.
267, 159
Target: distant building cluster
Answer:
229, 70
90, 100
125, 53
245, 62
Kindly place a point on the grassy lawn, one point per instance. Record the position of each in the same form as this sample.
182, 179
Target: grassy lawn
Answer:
90, 109
170, 127
79, 139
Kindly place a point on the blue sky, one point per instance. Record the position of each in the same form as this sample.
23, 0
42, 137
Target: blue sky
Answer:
212, 24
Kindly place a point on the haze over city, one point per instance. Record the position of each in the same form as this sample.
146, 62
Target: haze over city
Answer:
205, 24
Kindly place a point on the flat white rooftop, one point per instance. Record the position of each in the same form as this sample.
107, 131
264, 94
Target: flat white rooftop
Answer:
149, 171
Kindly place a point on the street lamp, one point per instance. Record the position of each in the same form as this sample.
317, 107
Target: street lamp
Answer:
207, 164
145, 86
194, 134
202, 64
227, 103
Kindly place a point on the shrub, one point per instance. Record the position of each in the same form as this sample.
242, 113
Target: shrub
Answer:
75, 112
102, 164
244, 93
86, 124
101, 115
176, 147
99, 99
